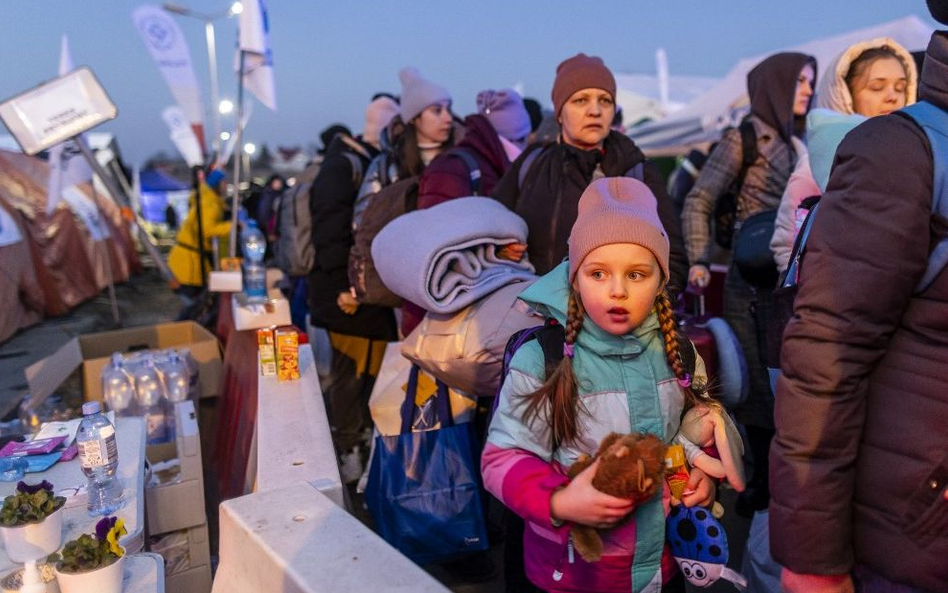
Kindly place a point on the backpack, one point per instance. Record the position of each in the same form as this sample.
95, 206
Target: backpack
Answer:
375, 210
636, 172
467, 349
934, 122
295, 253
726, 205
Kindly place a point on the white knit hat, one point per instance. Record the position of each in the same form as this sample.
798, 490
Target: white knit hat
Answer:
418, 93
378, 115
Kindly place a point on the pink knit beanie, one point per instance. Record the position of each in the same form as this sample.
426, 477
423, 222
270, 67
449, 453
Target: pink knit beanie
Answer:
578, 73
617, 210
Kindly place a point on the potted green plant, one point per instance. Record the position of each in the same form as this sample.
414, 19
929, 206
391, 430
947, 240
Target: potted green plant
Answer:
31, 521
93, 562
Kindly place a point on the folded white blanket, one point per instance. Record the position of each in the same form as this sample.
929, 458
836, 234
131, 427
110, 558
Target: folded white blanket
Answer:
444, 258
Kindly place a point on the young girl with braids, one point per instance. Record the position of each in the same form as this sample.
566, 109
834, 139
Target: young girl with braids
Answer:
621, 372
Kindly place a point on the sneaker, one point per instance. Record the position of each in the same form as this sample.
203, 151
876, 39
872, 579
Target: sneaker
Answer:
350, 466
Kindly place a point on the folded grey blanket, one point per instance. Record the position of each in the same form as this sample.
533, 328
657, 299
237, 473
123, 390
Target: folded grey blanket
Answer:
444, 258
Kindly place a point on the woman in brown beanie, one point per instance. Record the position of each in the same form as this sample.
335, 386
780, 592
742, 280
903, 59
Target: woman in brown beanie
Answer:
544, 184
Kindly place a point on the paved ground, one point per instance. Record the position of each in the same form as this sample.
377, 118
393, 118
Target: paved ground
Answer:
144, 300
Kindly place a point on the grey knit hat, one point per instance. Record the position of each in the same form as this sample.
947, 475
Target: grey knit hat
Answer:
418, 93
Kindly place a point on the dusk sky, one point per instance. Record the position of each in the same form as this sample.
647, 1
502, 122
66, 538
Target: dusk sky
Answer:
330, 57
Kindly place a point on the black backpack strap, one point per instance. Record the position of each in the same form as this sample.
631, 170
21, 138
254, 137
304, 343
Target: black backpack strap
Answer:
384, 163
748, 153
525, 165
356, 164
472, 168
637, 171
551, 337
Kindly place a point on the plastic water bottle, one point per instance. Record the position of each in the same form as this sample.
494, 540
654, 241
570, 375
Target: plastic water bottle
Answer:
255, 273
98, 454
175, 375
150, 396
118, 387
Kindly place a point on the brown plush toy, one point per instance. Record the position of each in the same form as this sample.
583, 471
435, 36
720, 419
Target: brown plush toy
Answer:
631, 466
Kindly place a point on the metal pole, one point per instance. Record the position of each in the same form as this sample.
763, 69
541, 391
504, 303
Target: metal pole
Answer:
113, 300
121, 200
215, 98
238, 147
196, 184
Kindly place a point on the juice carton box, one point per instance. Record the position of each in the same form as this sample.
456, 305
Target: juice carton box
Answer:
288, 355
676, 470
265, 343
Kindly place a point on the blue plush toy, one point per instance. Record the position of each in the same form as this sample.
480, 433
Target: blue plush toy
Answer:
699, 545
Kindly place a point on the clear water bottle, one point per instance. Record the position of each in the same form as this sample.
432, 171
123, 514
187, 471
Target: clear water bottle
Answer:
118, 387
255, 273
98, 454
150, 396
194, 390
175, 375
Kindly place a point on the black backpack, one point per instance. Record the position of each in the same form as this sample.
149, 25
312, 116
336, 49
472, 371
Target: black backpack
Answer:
726, 206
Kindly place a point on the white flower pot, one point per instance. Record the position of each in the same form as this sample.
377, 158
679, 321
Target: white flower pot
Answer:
33, 541
100, 580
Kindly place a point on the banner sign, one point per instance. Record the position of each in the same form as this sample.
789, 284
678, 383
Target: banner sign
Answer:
168, 47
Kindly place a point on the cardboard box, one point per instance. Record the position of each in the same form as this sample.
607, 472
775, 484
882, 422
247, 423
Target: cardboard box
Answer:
274, 312
183, 550
195, 580
225, 281
178, 505
189, 567
93, 352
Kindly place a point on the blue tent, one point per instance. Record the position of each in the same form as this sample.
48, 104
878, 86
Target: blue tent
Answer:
158, 189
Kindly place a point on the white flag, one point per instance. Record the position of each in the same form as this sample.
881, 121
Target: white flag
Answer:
258, 57
169, 49
67, 166
182, 135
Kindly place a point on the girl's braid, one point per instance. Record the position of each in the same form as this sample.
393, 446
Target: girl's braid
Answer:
666, 319
574, 318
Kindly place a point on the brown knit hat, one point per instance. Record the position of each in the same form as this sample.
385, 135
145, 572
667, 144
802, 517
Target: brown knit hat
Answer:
617, 210
578, 73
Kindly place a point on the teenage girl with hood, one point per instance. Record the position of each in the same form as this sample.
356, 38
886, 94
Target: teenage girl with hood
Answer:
621, 372
780, 90
547, 192
869, 78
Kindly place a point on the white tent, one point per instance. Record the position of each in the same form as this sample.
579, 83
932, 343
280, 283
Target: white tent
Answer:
725, 104
639, 95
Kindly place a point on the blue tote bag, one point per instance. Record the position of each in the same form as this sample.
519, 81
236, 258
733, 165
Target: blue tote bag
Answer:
424, 490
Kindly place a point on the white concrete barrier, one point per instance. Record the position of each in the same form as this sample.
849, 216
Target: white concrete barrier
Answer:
293, 439
293, 533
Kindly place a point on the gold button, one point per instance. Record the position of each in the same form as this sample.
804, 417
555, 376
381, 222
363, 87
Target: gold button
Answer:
934, 484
